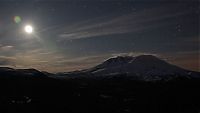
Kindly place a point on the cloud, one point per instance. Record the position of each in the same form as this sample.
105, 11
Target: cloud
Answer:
132, 22
133, 54
6, 48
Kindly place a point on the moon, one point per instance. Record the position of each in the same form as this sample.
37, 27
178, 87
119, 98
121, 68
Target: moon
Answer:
28, 29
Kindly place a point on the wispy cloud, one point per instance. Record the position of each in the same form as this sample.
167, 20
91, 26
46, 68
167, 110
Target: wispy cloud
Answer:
143, 20
6, 47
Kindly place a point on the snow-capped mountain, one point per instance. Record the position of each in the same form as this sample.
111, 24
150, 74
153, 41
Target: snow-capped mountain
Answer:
143, 67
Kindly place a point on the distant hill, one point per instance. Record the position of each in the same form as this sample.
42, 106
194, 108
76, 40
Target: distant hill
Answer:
10, 72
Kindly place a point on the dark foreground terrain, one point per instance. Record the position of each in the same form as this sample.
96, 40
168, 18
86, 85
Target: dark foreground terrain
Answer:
116, 95
143, 84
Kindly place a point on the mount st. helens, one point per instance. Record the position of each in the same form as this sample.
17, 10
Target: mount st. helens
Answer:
143, 67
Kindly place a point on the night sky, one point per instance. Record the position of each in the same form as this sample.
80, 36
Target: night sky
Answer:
78, 34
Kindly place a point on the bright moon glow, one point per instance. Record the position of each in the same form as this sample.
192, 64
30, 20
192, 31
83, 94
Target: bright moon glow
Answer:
28, 29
